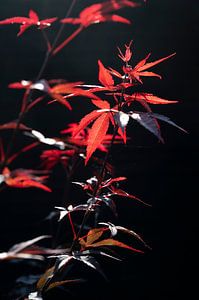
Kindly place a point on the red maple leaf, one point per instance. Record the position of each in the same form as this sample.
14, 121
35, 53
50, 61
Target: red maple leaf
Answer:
81, 138
100, 12
26, 22
140, 69
106, 79
147, 97
22, 178
128, 53
50, 158
98, 130
133, 74
95, 14
59, 92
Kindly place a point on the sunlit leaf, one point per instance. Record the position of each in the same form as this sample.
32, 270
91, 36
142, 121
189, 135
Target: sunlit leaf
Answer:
97, 134
110, 181
128, 53
105, 77
100, 12
140, 69
25, 22
150, 98
86, 120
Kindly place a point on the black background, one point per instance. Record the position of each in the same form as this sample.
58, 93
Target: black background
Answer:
163, 175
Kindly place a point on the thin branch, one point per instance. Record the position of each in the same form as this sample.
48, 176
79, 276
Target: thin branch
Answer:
65, 42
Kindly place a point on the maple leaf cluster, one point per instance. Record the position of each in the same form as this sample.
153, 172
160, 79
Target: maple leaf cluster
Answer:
90, 140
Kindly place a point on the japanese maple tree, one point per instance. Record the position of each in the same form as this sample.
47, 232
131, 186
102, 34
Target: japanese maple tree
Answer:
79, 146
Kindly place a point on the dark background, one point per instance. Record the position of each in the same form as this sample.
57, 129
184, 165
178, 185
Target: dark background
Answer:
163, 175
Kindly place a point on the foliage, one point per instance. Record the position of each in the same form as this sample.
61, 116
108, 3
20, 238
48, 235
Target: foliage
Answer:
113, 97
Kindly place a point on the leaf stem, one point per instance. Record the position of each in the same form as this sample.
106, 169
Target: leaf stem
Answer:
66, 41
101, 177
72, 226
101, 173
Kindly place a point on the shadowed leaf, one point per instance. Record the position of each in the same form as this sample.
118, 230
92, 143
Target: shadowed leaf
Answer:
45, 277
60, 283
111, 242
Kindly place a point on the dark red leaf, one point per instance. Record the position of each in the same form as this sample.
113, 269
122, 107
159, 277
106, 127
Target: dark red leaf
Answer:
122, 193
13, 125
111, 181
111, 242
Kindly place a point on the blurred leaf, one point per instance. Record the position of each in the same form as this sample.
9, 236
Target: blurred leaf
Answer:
25, 22
45, 277
34, 296
60, 283
19, 247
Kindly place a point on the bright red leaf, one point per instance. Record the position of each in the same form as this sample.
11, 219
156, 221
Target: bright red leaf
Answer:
97, 134
128, 53
149, 98
104, 76
140, 69
81, 138
86, 120
100, 12
95, 14
26, 22
50, 158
